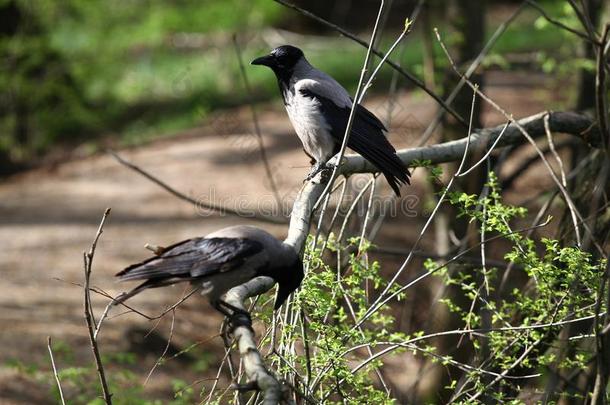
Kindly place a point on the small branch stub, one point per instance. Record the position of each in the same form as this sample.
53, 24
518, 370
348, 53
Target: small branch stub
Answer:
157, 250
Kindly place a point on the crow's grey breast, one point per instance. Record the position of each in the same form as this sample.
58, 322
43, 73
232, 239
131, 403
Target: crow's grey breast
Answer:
367, 138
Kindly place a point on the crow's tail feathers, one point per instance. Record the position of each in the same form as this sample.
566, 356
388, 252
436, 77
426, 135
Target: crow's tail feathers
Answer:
383, 156
134, 291
152, 283
396, 182
388, 163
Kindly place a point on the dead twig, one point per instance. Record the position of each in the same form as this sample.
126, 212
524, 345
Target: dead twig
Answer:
558, 23
89, 318
169, 342
257, 129
61, 392
199, 204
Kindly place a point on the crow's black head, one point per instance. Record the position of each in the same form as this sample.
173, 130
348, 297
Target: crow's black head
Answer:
281, 60
288, 280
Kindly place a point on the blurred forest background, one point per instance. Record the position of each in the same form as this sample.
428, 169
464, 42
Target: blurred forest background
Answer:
78, 74
160, 82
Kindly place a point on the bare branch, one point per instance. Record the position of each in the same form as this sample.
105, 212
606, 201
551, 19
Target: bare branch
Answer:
61, 392
258, 376
558, 23
571, 123
88, 261
257, 129
197, 203
169, 342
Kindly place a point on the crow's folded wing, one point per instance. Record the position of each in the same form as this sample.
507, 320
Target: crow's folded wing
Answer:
366, 138
194, 258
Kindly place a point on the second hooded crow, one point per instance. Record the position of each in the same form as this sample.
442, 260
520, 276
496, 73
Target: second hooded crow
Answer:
319, 109
218, 262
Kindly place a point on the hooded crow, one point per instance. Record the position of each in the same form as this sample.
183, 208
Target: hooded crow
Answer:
218, 262
319, 109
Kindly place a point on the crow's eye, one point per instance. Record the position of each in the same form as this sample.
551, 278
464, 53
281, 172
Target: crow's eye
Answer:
282, 61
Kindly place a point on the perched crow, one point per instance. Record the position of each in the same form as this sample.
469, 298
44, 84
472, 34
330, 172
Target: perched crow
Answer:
319, 109
218, 262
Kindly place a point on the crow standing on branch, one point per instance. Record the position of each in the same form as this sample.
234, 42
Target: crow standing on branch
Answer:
319, 109
218, 262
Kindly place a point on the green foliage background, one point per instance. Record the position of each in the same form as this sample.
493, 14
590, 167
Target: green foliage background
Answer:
73, 72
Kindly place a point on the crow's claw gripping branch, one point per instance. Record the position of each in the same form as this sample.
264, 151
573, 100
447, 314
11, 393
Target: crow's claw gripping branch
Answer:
317, 168
236, 316
247, 387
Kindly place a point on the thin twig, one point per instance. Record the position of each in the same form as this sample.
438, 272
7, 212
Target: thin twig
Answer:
584, 20
360, 91
130, 309
549, 138
471, 69
162, 357
491, 149
88, 262
61, 392
558, 23
198, 203
257, 129
412, 78
102, 318
426, 274
377, 303
574, 212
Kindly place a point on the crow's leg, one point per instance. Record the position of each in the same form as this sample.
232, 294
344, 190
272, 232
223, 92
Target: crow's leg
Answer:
236, 316
317, 168
249, 386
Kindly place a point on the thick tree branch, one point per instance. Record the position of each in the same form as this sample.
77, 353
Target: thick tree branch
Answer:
564, 122
258, 376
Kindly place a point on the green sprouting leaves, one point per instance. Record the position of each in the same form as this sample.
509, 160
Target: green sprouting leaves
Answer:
496, 215
333, 301
557, 284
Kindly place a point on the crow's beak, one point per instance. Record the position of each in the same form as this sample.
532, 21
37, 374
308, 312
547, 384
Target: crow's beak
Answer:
266, 60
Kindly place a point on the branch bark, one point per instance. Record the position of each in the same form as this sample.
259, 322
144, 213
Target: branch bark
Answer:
258, 376
564, 122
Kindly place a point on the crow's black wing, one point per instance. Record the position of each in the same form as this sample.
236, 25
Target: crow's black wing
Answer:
371, 119
366, 138
194, 258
